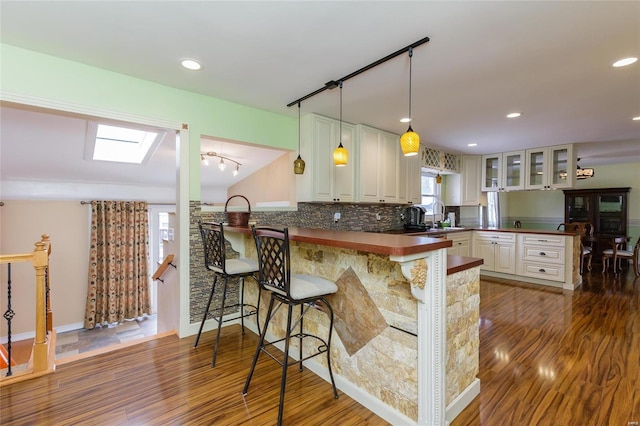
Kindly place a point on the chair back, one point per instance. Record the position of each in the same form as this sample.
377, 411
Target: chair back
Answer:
272, 246
567, 227
212, 234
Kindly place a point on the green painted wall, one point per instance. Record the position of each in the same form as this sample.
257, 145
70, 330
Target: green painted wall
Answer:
550, 204
26, 72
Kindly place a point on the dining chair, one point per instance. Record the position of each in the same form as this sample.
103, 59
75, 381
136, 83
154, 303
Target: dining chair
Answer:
215, 260
292, 290
624, 254
618, 245
585, 229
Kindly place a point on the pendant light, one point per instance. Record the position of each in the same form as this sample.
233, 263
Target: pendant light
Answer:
298, 164
340, 154
410, 141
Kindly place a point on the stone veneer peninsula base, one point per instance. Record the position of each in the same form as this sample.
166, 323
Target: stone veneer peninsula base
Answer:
406, 342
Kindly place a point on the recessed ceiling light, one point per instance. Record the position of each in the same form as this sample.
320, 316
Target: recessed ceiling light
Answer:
636, 118
472, 144
624, 62
405, 120
514, 115
191, 64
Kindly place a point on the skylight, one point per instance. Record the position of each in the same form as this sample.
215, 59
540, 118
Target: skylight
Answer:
121, 144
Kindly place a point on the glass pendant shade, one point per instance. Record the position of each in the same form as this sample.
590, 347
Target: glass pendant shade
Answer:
410, 143
340, 156
298, 165
438, 179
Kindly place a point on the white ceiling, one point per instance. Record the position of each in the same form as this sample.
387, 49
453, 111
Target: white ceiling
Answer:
549, 60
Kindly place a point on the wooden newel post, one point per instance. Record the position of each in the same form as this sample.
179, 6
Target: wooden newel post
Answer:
40, 264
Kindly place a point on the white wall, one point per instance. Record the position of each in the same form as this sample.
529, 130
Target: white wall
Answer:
274, 182
21, 225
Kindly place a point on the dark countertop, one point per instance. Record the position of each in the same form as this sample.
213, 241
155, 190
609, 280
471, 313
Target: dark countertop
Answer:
389, 244
461, 263
392, 245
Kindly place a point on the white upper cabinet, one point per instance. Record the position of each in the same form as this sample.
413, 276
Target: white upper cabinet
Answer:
464, 189
379, 166
322, 180
413, 193
503, 171
550, 167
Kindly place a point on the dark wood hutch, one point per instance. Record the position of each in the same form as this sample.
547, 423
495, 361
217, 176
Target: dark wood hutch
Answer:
605, 208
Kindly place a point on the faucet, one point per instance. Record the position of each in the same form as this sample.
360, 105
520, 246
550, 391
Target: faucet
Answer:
438, 206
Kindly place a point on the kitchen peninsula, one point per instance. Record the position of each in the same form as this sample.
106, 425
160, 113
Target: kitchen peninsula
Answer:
407, 330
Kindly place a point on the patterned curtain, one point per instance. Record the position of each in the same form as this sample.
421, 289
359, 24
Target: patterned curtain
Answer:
118, 279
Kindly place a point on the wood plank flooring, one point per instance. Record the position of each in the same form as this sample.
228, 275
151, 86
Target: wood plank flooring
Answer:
547, 357
558, 358
167, 381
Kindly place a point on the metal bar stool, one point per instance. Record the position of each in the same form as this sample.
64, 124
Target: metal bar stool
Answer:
215, 260
306, 291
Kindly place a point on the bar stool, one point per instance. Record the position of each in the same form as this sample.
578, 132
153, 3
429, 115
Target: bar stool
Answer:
292, 290
215, 260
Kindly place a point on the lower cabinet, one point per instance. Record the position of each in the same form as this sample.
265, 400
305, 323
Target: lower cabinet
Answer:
542, 256
547, 259
461, 244
498, 249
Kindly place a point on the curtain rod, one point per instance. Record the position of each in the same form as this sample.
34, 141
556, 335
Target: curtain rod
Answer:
334, 83
149, 204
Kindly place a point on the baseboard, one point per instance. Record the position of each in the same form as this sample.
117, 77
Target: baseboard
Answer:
462, 401
69, 327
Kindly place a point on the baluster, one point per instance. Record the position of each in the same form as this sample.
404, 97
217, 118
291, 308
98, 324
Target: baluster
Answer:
8, 315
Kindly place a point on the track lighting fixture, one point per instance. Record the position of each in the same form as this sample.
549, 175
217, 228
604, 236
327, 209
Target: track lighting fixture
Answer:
221, 165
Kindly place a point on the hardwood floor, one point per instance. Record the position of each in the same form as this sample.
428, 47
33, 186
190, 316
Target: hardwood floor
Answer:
559, 358
167, 381
547, 357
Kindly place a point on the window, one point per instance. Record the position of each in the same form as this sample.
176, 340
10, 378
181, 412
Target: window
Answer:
430, 191
120, 144
163, 230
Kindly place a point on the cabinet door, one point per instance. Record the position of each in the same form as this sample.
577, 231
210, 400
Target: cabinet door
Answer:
562, 167
414, 179
389, 163
491, 170
323, 129
512, 171
344, 177
485, 250
535, 169
369, 153
464, 248
470, 180
505, 258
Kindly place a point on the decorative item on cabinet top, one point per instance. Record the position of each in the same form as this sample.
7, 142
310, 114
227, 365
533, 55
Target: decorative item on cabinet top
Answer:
439, 160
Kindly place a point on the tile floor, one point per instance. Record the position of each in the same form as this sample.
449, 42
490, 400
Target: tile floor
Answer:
76, 342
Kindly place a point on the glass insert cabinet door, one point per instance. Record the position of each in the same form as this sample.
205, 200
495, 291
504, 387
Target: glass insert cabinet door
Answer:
579, 208
610, 208
491, 172
536, 161
559, 166
513, 170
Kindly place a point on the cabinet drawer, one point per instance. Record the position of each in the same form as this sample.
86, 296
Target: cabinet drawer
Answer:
543, 240
544, 271
496, 236
541, 254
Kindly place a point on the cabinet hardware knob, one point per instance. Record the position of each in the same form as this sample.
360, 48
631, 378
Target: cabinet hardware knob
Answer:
541, 270
543, 253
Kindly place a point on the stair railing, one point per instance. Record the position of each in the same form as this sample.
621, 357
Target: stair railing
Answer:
42, 356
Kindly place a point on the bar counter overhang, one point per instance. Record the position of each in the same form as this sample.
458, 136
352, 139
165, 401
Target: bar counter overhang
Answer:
394, 353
